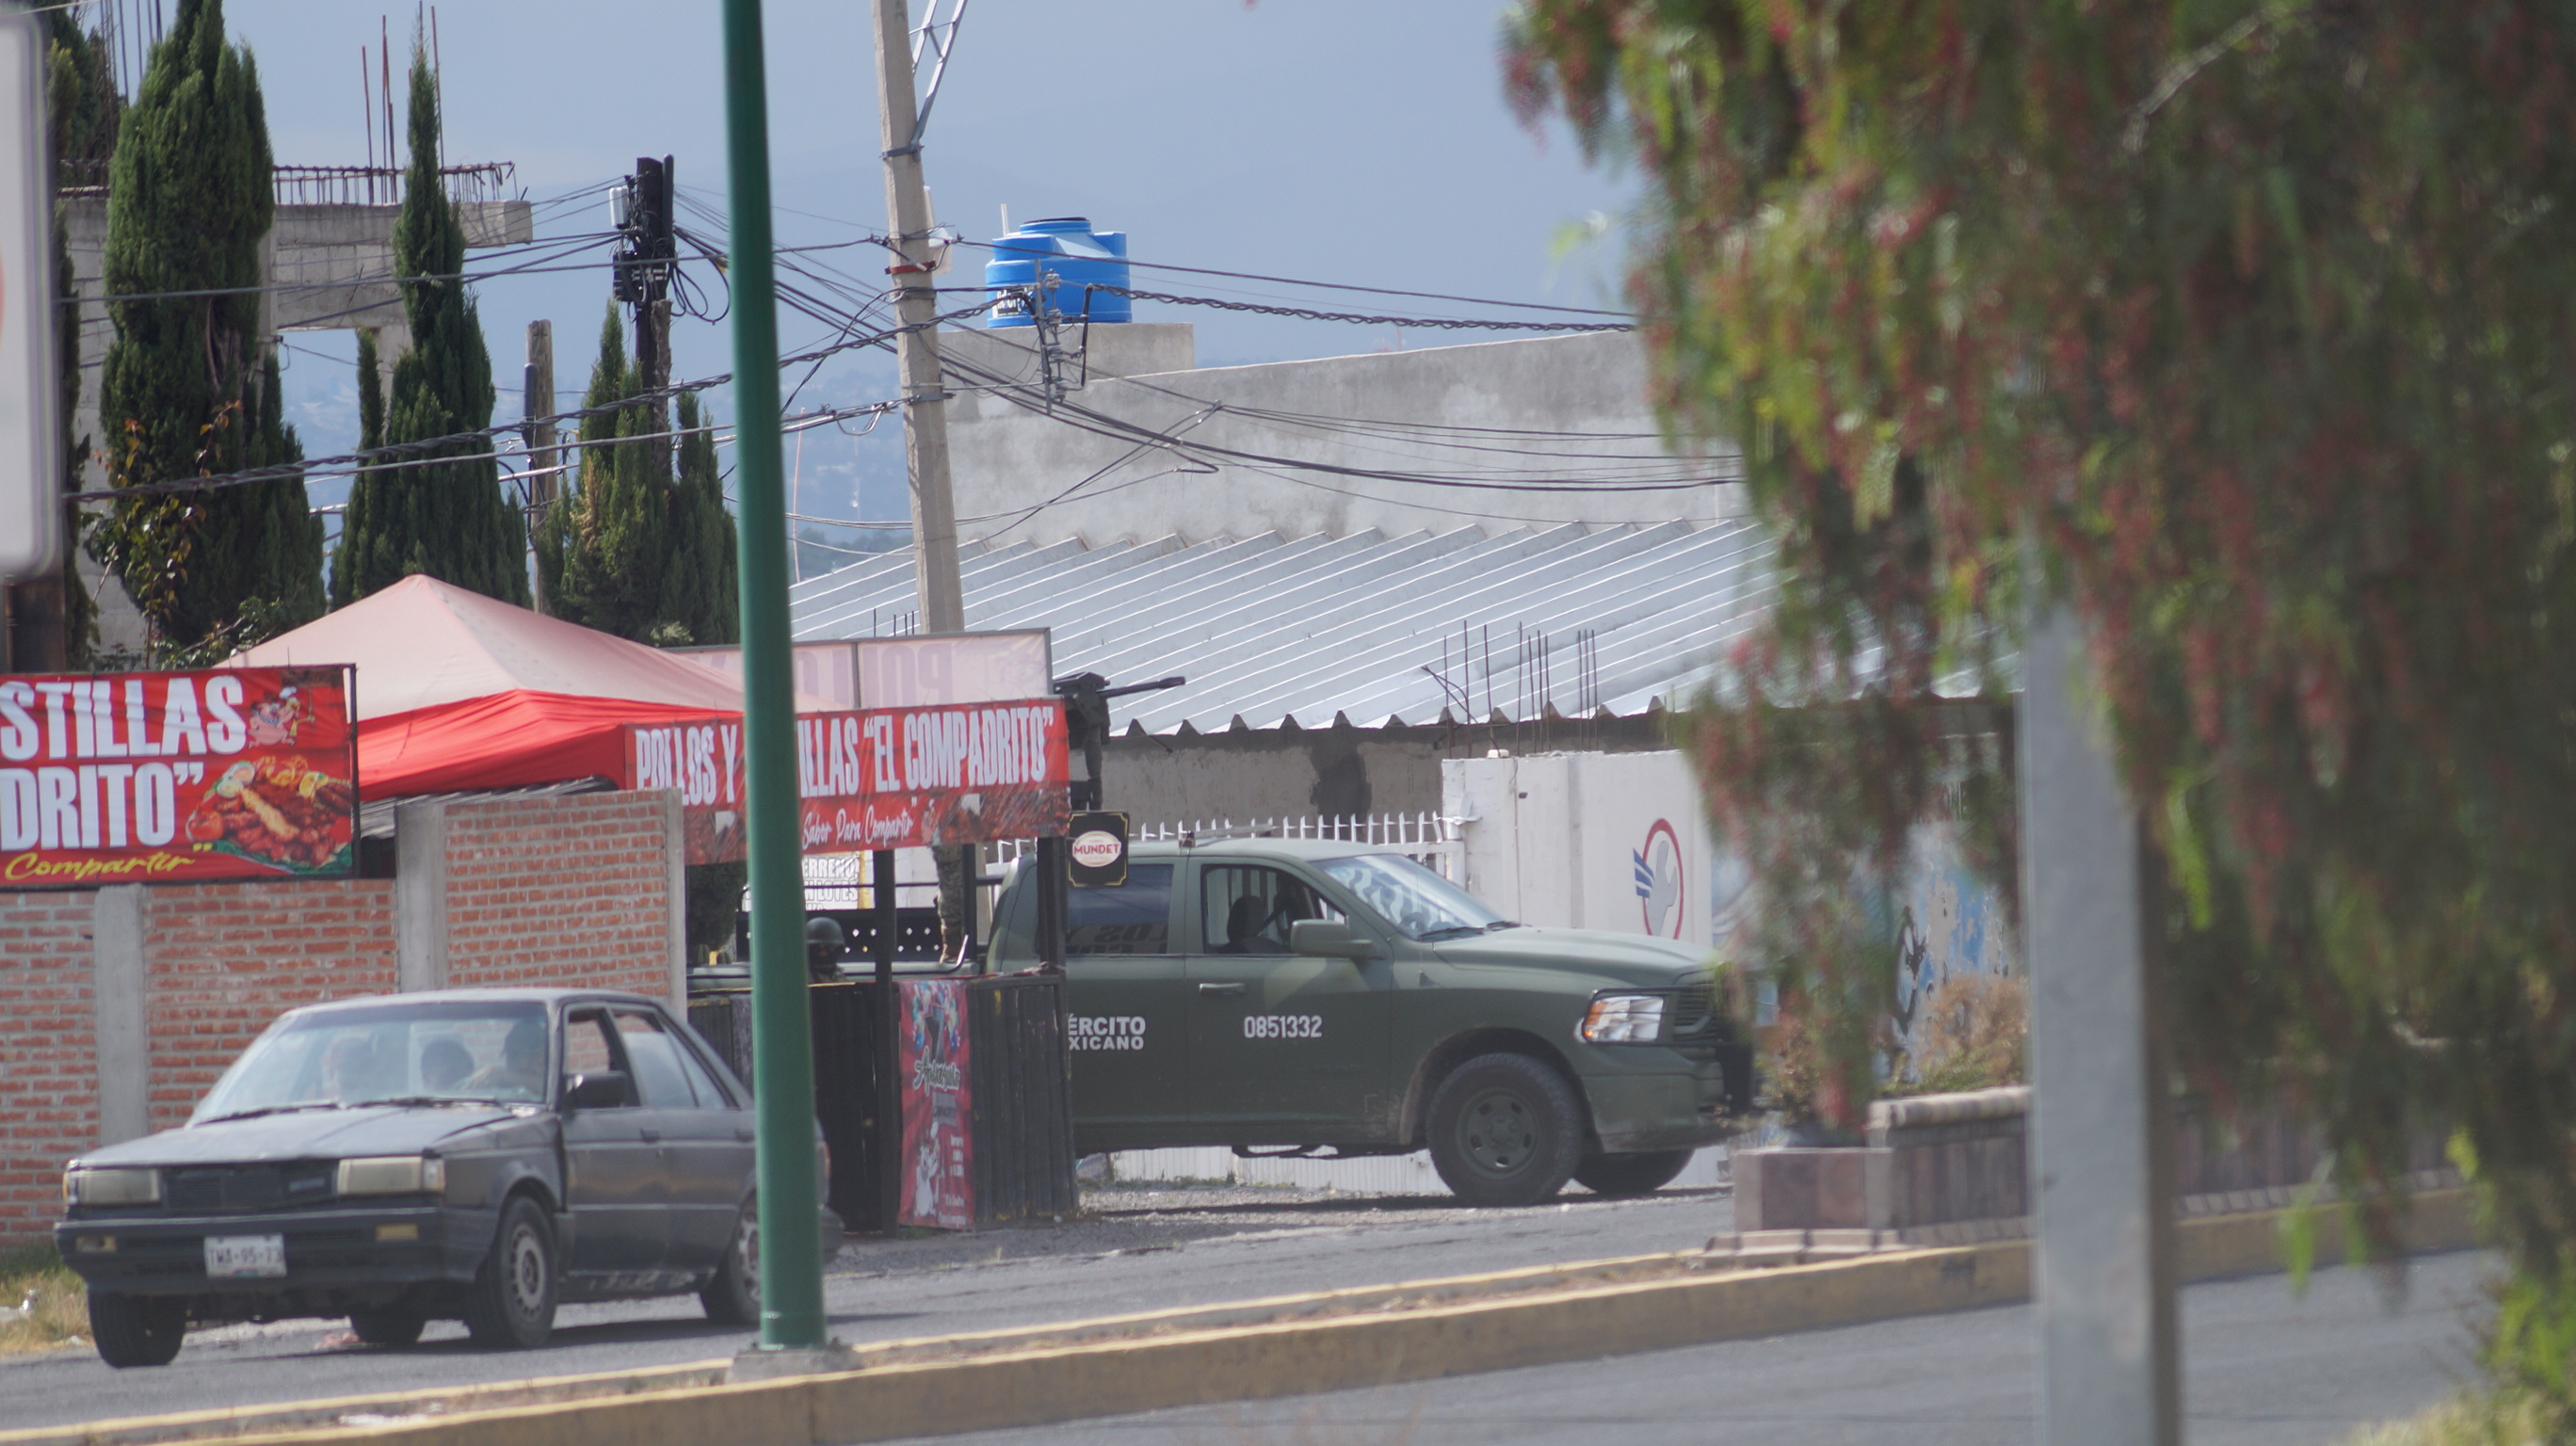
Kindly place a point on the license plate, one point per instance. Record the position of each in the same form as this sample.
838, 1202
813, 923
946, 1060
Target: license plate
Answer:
231, 1257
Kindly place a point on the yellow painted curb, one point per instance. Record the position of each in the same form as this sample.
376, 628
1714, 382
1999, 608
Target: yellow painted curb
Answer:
1025, 1388
1157, 1360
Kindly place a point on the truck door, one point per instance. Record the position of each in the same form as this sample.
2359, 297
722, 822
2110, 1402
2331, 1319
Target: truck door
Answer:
1285, 1049
1125, 1006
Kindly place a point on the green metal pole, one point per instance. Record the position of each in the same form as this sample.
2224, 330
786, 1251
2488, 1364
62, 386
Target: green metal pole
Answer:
782, 1040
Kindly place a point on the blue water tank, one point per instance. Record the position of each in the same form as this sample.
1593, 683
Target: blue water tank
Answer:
1066, 248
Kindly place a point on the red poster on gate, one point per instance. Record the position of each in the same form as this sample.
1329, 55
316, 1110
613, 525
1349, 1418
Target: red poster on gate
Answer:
226, 773
882, 778
938, 1160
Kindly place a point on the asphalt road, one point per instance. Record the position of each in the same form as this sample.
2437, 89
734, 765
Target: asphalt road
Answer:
2260, 1368
1142, 1248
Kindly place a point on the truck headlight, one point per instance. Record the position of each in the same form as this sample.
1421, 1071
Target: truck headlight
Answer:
1624, 1019
111, 1187
392, 1175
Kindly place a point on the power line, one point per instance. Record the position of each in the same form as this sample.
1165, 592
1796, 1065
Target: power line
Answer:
555, 246
1340, 285
1103, 424
1428, 323
373, 460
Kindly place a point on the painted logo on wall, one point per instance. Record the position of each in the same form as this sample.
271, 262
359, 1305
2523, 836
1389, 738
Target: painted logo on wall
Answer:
1659, 880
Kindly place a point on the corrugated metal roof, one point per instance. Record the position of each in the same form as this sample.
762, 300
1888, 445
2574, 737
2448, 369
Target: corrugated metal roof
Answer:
1378, 629
376, 815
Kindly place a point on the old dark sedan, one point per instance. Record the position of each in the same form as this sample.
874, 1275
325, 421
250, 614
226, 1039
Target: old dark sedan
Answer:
475, 1154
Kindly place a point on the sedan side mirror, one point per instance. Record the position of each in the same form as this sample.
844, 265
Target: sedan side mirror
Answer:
1329, 938
605, 1089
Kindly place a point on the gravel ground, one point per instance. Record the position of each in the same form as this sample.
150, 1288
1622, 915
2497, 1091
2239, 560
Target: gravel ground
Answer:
1138, 1219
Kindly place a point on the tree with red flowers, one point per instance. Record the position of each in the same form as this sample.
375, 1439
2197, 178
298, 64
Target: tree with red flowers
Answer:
2246, 329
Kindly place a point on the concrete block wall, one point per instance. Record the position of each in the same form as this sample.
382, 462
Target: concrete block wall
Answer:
119, 1007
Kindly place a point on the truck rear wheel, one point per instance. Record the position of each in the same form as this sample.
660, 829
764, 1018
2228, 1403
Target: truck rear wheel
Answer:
1631, 1174
1505, 1130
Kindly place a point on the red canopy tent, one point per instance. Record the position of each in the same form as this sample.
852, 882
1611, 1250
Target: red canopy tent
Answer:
459, 691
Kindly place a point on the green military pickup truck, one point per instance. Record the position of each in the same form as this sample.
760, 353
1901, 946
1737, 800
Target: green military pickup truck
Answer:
1306, 995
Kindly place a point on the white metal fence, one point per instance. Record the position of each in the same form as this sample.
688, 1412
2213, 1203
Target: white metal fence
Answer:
1427, 838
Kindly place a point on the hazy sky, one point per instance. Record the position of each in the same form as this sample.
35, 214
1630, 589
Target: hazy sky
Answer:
1328, 139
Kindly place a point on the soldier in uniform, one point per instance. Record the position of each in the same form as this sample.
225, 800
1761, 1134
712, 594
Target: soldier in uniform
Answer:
824, 943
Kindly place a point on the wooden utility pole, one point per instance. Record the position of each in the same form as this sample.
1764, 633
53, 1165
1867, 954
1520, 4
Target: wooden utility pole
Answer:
653, 361
537, 394
925, 397
925, 411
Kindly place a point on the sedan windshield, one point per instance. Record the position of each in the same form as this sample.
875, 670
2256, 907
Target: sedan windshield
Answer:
1420, 904
402, 1051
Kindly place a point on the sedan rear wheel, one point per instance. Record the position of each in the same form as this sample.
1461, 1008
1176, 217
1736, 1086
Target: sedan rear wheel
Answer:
391, 1328
733, 1297
512, 1306
135, 1330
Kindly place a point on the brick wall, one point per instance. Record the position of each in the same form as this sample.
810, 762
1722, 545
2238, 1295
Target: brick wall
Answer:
223, 960
560, 891
48, 1081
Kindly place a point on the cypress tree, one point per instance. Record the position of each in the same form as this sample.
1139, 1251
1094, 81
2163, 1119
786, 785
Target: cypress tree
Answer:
183, 392
282, 540
630, 548
371, 394
602, 545
445, 517
704, 599
371, 435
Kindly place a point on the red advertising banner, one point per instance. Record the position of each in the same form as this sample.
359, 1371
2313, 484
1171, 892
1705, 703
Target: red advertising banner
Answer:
227, 773
938, 1160
878, 779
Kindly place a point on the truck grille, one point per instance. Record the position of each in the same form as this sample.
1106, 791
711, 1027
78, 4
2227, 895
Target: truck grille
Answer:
1694, 1018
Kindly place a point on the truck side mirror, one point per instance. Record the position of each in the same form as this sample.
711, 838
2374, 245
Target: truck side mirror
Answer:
1329, 938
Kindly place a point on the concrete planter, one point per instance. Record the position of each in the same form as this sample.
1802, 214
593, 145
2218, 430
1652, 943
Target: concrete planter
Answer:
1954, 1170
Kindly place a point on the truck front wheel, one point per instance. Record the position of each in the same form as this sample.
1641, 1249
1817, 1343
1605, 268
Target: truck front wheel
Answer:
1505, 1130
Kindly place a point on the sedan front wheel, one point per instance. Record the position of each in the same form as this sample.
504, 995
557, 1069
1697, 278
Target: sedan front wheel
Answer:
133, 1330
512, 1306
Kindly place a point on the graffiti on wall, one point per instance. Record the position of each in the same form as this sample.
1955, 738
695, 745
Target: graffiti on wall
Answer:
1950, 924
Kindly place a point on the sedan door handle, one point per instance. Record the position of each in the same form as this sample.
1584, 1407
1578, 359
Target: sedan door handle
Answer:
651, 1136
1235, 988
742, 1132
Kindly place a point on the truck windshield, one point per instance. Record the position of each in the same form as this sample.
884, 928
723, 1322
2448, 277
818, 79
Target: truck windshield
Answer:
1420, 904
414, 1052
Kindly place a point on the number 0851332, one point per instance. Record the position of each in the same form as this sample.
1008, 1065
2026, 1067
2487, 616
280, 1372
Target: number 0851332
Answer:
1283, 1026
